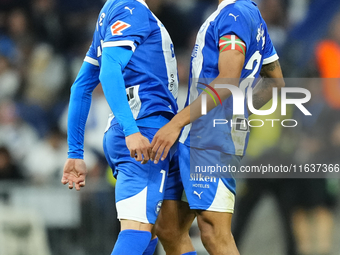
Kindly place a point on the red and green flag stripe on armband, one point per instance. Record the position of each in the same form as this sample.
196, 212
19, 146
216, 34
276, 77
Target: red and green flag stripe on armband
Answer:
232, 42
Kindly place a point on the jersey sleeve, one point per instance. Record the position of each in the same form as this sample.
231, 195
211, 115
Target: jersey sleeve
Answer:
128, 25
91, 56
79, 106
114, 60
232, 23
269, 54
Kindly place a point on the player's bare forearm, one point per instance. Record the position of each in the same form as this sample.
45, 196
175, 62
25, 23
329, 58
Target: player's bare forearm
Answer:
262, 93
271, 78
194, 111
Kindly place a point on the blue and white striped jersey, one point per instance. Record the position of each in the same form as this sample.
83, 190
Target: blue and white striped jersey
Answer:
242, 19
151, 78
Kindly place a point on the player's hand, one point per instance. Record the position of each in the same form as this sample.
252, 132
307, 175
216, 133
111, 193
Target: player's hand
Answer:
164, 140
74, 173
139, 147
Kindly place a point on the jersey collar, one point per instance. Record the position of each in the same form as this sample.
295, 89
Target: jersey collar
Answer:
143, 3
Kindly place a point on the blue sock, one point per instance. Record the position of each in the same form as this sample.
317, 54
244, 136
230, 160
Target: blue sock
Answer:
131, 242
152, 247
190, 253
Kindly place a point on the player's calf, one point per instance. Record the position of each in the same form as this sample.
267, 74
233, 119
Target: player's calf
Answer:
216, 233
172, 227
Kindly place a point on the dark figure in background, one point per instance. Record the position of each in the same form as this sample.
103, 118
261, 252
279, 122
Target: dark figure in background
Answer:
267, 146
255, 191
48, 23
315, 199
8, 170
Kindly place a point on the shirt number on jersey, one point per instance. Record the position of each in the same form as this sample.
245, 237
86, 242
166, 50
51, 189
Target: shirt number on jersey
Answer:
250, 66
101, 19
242, 124
163, 172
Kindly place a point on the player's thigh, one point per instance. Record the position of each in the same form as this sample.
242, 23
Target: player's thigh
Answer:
139, 187
205, 190
174, 187
175, 216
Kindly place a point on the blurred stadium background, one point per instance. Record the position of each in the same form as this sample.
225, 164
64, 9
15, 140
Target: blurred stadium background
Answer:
42, 45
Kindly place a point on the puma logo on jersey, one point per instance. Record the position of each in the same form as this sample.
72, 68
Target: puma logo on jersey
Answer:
235, 17
127, 8
198, 194
118, 27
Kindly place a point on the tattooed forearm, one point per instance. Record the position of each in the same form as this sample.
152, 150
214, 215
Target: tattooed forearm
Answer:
269, 68
271, 77
262, 93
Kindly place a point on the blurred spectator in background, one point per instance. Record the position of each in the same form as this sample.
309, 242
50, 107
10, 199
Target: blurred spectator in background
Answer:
44, 84
296, 10
15, 134
18, 27
266, 146
9, 172
51, 151
47, 23
315, 199
45, 77
328, 62
274, 14
313, 218
8, 169
7, 46
9, 80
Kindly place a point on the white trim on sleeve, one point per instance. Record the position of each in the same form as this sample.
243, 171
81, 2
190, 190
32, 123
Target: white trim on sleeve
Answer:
91, 61
120, 43
270, 59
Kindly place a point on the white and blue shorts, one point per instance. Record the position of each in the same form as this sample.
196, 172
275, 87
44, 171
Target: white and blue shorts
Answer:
139, 188
206, 178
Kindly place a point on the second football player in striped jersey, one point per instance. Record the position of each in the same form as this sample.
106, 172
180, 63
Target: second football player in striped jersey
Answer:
232, 47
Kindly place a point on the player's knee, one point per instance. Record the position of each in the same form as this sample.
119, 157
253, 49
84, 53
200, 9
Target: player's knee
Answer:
170, 233
165, 233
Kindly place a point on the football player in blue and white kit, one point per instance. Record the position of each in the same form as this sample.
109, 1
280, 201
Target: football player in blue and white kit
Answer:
132, 55
233, 47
